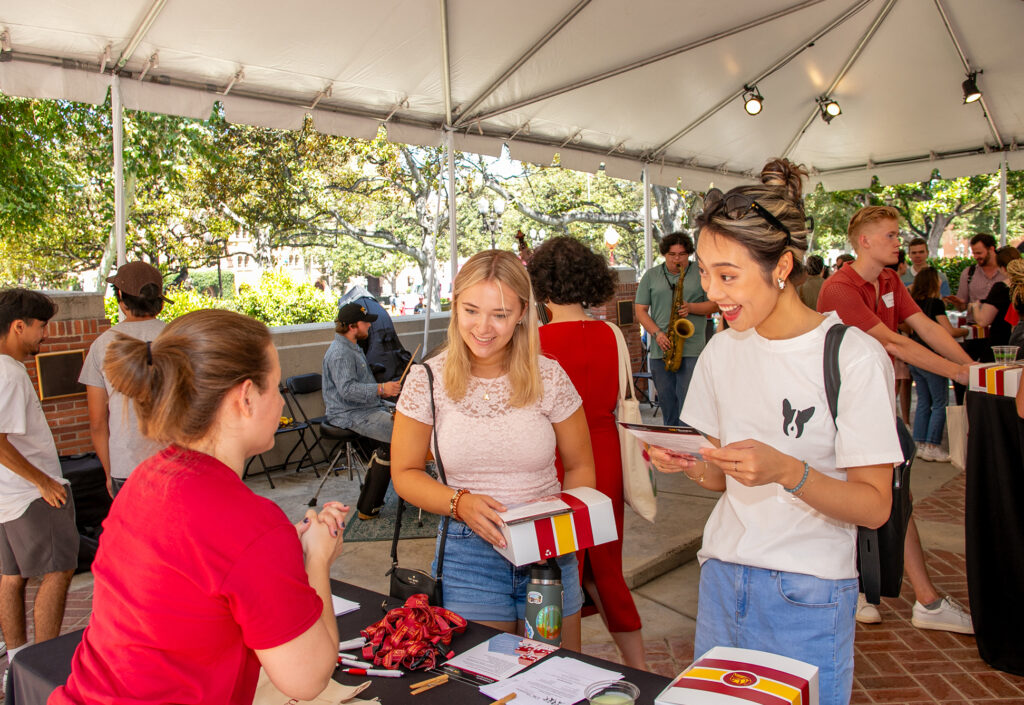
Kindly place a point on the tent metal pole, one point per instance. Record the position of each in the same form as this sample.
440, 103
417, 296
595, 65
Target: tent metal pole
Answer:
446, 69
1002, 201
117, 121
452, 220
140, 32
800, 48
967, 67
538, 45
871, 31
648, 225
586, 81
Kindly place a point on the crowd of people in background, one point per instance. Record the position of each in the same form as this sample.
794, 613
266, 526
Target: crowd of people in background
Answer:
518, 412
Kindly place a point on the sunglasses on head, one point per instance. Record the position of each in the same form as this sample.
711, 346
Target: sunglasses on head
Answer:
736, 205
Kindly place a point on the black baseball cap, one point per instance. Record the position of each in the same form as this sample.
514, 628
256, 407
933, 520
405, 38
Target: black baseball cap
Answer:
353, 313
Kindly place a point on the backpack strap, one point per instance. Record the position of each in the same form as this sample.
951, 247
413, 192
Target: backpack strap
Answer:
868, 560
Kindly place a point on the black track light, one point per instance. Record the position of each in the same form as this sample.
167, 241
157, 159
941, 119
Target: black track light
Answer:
970, 88
829, 109
753, 101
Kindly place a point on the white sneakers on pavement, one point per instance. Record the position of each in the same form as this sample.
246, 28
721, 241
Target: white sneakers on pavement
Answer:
867, 613
932, 453
949, 616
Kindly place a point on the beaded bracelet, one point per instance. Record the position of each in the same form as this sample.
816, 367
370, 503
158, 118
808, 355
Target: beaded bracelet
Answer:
807, 471
453, 503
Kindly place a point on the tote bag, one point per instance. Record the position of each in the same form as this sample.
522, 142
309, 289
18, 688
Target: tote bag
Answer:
956, 425
637, 478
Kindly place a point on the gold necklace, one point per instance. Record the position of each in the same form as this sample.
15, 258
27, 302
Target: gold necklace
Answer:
489, 387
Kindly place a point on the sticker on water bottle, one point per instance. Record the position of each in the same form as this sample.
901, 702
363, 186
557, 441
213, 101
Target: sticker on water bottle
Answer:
534, 597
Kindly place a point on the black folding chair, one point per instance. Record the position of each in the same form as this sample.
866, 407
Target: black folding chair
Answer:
303, 386
296, 426
644, 392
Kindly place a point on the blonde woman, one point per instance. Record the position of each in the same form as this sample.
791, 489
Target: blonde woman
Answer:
502, 410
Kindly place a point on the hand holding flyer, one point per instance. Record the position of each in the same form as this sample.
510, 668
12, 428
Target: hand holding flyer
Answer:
681, 440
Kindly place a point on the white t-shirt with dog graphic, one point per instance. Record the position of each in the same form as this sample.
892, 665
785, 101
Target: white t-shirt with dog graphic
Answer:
748, 387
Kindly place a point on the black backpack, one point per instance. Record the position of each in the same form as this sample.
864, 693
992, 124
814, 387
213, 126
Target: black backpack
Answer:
879, 551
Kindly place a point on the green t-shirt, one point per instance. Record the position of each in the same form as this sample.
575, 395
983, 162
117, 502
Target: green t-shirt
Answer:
655, 290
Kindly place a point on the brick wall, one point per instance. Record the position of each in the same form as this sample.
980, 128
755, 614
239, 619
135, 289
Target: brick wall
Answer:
79, 321
609, 311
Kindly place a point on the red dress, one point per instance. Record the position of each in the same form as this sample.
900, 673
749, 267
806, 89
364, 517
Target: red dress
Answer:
587, 351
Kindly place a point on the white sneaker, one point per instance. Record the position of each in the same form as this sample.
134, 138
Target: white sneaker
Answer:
939, 455
867, 613
924, 451
948, 616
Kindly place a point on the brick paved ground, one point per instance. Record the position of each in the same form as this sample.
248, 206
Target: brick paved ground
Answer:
895, 662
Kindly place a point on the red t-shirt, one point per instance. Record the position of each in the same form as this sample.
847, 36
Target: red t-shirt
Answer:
193, 573
856, 302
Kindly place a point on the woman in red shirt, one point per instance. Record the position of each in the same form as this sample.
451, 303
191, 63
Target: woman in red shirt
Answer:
198, 581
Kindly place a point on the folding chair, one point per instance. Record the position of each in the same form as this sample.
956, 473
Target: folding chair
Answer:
297, 426
303, 386
644, 394
345, 441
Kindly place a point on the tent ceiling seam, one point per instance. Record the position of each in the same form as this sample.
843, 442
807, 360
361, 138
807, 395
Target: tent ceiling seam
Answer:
871, 31
641, 63
518, 63
967, 67
845, 15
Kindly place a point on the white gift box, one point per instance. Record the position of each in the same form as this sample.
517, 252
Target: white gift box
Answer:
577, 519
728, 676
996, 378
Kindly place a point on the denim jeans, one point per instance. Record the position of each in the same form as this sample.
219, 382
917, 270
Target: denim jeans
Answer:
376, 424
672, 387
790, 614
932, 397
480, 584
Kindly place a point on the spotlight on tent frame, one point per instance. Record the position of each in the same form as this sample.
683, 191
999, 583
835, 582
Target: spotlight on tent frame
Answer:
970, 87
829, 109
753, 101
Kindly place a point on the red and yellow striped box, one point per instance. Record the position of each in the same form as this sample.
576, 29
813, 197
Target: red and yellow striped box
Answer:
728, 676
974, 332
588, 520
996, 378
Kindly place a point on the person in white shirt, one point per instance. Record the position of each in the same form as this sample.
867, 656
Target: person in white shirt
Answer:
113, 425
38, 536
778, 562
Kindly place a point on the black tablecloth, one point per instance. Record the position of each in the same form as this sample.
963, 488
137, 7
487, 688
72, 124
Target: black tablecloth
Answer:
995, 528
39, 669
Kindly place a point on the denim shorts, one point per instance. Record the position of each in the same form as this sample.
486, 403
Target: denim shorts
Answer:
791, 614
481, 585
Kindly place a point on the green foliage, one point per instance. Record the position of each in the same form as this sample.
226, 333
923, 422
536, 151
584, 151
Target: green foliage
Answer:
952, 267
281, 301
111, 310
201, 281
188, 300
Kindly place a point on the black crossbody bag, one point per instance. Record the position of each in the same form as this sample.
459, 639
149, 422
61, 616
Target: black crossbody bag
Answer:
406, 582
879, 551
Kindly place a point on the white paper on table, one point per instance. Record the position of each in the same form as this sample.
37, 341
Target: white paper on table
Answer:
557, 680
343, 606
501, 656
681, 439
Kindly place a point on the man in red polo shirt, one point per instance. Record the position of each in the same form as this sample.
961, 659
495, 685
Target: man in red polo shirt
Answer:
868, 295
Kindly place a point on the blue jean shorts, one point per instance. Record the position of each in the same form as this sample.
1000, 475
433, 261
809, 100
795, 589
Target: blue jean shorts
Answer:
481, 585
791, 614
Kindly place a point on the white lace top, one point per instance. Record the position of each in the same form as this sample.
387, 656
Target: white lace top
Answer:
488, 446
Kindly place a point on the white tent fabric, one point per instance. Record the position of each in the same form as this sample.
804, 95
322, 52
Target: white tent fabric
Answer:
619, 84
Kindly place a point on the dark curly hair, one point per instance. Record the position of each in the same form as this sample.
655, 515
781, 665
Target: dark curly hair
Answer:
565, 271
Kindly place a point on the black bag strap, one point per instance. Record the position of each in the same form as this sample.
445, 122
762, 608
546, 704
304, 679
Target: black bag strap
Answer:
440, 471
868, 560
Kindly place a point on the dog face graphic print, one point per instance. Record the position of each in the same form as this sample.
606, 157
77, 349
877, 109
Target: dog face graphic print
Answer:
793, 420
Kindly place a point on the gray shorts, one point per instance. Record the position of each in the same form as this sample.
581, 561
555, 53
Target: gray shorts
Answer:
42, 540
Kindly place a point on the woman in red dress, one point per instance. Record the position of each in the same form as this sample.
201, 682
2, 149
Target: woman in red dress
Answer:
568, 277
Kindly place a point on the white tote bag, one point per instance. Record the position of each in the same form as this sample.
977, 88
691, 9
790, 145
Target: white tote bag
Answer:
956, 426
637, 478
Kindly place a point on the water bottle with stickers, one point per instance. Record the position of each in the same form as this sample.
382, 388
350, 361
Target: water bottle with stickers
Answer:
544, 603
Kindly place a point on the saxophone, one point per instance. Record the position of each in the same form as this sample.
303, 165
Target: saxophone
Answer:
679, 329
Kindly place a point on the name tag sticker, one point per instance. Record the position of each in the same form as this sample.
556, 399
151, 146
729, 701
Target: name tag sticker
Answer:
888, 299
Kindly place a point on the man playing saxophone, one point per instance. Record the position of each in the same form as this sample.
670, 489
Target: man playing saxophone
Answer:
669, 294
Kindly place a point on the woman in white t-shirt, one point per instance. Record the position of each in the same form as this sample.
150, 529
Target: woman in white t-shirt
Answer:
778, 559
501, 410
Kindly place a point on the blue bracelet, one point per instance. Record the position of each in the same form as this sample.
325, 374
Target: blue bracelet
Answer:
807, 471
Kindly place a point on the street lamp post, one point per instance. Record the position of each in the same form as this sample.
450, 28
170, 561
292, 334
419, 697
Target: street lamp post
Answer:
611, 238
490, 214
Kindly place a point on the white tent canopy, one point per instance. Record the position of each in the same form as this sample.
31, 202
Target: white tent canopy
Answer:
613, 83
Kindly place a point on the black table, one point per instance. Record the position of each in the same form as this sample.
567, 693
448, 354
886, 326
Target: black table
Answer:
995, 528
42, 667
